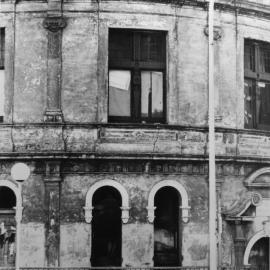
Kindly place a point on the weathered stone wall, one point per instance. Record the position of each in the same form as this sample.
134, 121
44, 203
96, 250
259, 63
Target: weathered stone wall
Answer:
138, 234
85, 55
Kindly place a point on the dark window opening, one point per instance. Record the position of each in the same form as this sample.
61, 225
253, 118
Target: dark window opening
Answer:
167, 238
106, 228
259, 254
2, 48
137, 71
2, 72
257, 85
7, 227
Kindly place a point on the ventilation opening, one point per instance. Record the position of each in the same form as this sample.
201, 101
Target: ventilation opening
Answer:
106, 228
167, 240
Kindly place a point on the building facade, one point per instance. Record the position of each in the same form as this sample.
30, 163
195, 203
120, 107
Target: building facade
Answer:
107, 103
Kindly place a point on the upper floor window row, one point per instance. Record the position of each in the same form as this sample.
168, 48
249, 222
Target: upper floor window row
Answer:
137, 72
257, 84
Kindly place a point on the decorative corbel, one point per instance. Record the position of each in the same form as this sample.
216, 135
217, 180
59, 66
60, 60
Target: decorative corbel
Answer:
217, 32
151, 214
185, 213
88, 214
125, 214
19, 212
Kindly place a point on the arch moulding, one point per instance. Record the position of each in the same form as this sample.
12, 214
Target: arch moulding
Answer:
88, 208
250, 181
251, 243
168, 183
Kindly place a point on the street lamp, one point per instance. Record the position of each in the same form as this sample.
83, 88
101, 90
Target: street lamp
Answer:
19, 172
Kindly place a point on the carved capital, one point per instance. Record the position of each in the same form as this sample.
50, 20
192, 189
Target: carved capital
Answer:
53, 116
266, 227
54, 24
217, 32
125, 213
19, 212
185, 213
52, 171
88, 214
151, 214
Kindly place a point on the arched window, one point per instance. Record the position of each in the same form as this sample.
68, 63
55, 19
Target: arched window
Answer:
168, 208
167, 240
106, 227
107, 207
259, 254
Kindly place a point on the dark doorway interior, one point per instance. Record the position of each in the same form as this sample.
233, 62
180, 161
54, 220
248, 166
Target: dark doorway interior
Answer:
259, 254
106, 228
7, 227
166, 228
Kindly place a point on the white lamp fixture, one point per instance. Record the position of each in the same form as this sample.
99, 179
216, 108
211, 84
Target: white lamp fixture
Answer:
20, 172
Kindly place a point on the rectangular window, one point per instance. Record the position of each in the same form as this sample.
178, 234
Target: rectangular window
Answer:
2, 72
137, 71
257, 84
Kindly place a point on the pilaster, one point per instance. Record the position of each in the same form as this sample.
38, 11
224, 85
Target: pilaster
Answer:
52, 182
54, 23
239, 243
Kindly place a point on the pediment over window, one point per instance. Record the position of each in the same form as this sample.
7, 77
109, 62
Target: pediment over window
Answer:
260, 178
245, 208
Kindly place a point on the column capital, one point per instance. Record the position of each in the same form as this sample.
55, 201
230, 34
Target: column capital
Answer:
52, 172
54, 24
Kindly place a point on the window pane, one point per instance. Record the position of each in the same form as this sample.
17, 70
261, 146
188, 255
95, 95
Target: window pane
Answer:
2, 81
263, 103
152, 47
120, 45
2, 48
249, 101
152, 94
119, 92
265, 59
249, 57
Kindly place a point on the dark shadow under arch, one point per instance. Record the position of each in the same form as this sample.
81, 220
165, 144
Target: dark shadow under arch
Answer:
259, 254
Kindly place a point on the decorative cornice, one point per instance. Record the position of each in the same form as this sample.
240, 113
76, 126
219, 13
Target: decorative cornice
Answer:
54, 24
238, 209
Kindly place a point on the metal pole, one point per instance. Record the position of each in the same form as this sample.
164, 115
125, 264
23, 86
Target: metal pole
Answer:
211, 141
19, 209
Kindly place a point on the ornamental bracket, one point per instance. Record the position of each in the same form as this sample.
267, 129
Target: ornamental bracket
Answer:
217, 32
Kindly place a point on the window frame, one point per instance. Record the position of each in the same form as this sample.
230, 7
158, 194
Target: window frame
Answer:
2, 60
136, 67
256, 76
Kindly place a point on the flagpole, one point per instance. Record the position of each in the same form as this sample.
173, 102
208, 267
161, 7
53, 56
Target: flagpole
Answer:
211, 141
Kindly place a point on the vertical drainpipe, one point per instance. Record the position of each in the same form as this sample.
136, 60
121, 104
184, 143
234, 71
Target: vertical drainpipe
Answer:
211, 140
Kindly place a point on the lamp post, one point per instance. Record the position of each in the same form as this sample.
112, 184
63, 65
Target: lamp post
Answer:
19, 172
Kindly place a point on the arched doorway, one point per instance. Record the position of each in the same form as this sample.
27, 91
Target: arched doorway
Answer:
167, 240
7, 226
106, 227
259, 254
